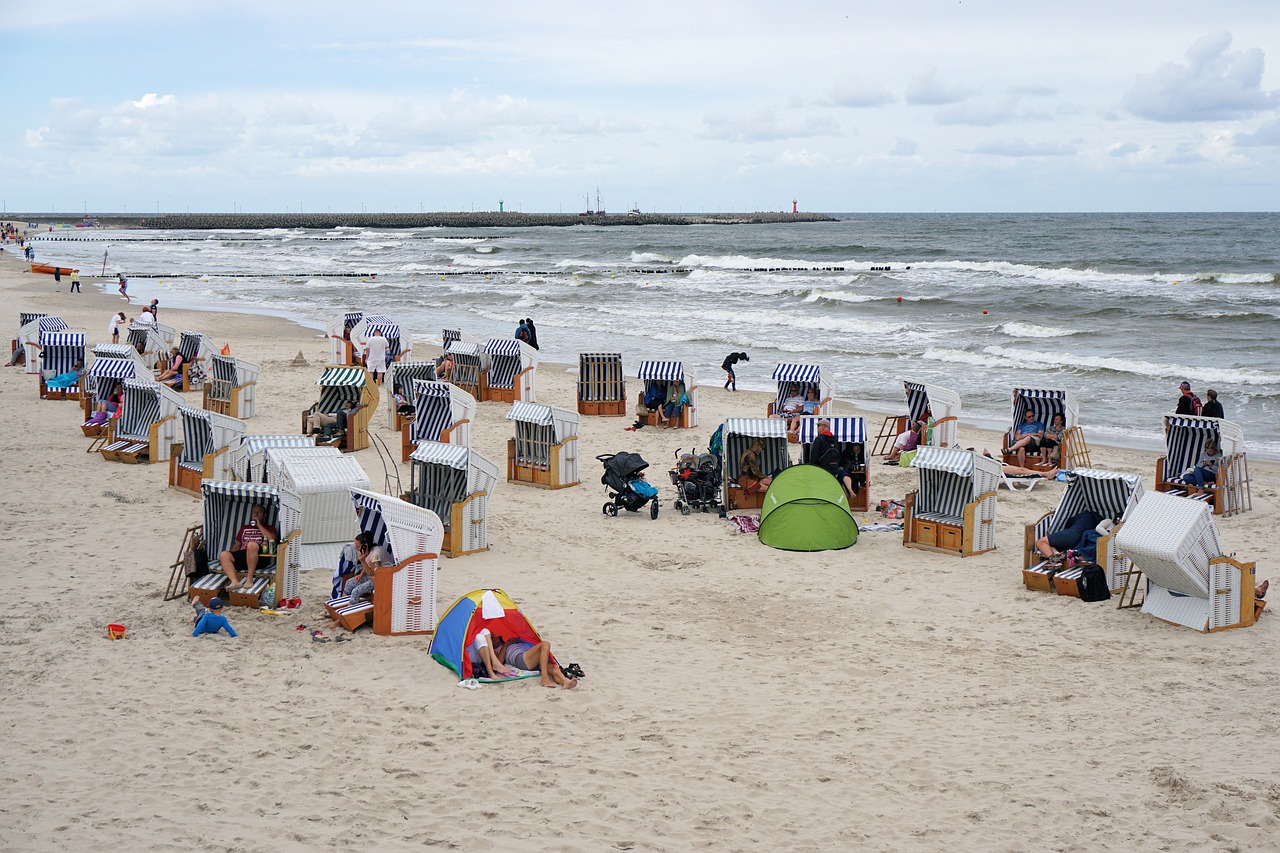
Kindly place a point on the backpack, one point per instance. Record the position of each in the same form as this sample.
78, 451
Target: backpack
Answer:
1196, 405
1093, 584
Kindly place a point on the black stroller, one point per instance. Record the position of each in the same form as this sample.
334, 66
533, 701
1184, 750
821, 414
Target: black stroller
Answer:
622, 477
697, 479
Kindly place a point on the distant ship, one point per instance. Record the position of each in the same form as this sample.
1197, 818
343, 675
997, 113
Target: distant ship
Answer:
599, 211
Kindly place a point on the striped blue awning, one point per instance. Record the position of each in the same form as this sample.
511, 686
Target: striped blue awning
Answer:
810, 373
52, 324
112, 368
502, 346
756, 427
847, 429
435, 453
1040, 393
531, 413
49, 340
662, 370
351, 318
342, 377
25, 317
465, 348
952, 461
114, 351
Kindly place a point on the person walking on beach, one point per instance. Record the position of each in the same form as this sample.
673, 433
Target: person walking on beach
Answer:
124, 287
730, 360
57, 276
154, 308
375, 355
522, 332
75, 282
1212, 409
114, 327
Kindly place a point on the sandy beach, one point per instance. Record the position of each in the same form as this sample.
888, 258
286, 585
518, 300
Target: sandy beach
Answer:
736, 698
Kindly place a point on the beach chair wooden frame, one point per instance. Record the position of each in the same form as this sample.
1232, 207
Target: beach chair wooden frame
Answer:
601, 386
738, 435
57, 353
401, 375
1185, 436
147, 430
512, 372
847, 430
544, 452
339, 383
470, 363
1046, 402
1174, 552
442, 412
954, 509
455, 483
404, 595
232, 387
798, 379
206, 449
664, 372
1108, 493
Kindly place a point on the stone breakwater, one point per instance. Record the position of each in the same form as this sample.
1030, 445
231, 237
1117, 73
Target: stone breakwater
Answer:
205, 221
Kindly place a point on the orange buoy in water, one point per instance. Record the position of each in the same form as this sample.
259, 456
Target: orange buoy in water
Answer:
984, 310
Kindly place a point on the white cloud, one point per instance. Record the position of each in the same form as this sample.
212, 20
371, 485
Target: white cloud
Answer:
1022, 148
860, 96
807, 159
765, 126
925, 89
1267, 135
904, 148
1213, 83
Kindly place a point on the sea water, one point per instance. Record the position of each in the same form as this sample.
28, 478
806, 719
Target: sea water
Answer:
1116, 308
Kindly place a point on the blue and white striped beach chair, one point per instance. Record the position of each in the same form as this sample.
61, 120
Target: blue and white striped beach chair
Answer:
442, 412
398, 346
226, 507
602, 387
248, 457
197, 350
798, 380
662, 373
847, 431
544, 451
339, 331
738, 435
232, 387
315, 499
1045, 403
513, 368
455, 483
29, 339
1185, 437
954, 509
400, 378
111, 365
207, 442
470, 363
148, 427
339, 384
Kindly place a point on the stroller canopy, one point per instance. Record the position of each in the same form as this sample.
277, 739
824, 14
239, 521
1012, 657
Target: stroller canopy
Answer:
621, 467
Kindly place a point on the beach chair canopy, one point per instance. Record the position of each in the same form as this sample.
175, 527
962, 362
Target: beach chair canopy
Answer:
145, 339
665, 371
538, 428
339, 384
799, 378
59, 351
275, 459
562, 422
462, 622
942, 403
806, 509
950, 478
106, 374
469, 360
508, 358
205, 432
847, 430
1045, 402
229, 372
440, 406
341, 325
738, 435
250, 454
448, 336
409, 533
390, 329
228, 506
444, 474
403, 374
1172, 540
195, 345
25, 317
146, 402
1185, 435
29, 338
315, 494
600, 377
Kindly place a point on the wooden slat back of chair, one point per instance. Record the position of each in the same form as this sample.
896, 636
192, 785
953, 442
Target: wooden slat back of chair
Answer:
1075, 450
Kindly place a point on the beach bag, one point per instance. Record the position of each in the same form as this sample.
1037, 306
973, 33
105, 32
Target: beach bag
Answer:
1093, 584
1196, 405
196, 563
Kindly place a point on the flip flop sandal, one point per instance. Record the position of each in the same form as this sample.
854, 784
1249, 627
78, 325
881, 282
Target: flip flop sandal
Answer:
344, 638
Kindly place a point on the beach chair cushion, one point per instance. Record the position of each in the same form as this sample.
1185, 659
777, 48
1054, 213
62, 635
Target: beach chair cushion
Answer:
350, 616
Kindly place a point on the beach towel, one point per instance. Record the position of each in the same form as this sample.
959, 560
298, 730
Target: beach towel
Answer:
746, 523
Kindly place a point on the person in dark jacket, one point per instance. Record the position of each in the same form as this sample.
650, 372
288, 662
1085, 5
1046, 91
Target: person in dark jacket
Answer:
730, 360
1212, 408
533, 332
1188, 403
825, 453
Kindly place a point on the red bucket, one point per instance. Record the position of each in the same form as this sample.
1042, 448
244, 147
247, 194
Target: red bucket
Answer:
115, 632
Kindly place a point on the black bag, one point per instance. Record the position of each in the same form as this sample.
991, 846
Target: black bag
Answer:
1093, 584
196, 563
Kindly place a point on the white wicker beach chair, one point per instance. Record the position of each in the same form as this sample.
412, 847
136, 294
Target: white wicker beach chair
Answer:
799, 379
1107, 493
1185, 436
442, 412
59, 352
232, 387
147, 428
29, 339
249, 456
339, 331
847, 431
954, 509
1045, 403
602, 388
150, 344
470, 364
1188, 581
226, 507
315, 500
401, 375
207, 442
544, 451
664, 372
738, 434
455, 483
404, 594
513, 368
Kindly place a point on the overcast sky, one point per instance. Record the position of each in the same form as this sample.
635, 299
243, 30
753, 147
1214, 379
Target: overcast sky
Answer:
907, 105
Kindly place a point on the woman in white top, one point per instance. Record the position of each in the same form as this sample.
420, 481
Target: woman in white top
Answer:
114, 327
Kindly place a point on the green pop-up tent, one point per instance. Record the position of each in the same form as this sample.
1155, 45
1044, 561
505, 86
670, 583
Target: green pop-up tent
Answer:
806, 509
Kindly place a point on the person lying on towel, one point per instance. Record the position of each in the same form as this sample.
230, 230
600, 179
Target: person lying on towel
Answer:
533, 657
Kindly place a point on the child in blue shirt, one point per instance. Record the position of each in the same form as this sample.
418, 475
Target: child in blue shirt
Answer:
209, 620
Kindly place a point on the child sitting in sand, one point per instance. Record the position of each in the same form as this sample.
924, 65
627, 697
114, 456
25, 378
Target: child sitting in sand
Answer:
209, 620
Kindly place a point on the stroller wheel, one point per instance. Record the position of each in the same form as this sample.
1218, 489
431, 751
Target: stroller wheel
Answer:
609, 509
653, 510
684, 509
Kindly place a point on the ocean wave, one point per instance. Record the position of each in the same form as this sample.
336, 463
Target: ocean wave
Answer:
457, 239
1030, 330
651, 258
1211, 375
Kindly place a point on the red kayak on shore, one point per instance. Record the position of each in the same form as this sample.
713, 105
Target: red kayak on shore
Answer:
47, 269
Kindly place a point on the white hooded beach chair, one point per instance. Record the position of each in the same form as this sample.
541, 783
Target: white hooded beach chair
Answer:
738, 435
954, 509
274, 459
401, 375
848, 431
339, 384
513, 368
150, 344
59, 352
1185, 436
602, 388
111, 366
226, 507
661, 374
147, 428
248, 459
29, 339
448, 336
232, 387
442, 412
206, 449
339, 331
1046, 402
1188, 581
940, 404
1110, 495
398, 345
315, 500
544, 452
197, 350
455, 483
470, 363
404, 594
799, 379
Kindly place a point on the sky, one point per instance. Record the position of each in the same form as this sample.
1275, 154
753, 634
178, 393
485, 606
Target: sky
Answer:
910, 105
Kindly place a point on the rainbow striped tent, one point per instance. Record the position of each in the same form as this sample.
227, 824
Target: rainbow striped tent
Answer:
466, 617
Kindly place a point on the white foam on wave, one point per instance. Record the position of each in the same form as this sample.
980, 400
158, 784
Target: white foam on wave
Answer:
820, 295
1227, 375
458, 239
1030, 330
651, 258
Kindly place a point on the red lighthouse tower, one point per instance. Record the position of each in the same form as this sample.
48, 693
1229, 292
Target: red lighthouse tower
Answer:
793, 206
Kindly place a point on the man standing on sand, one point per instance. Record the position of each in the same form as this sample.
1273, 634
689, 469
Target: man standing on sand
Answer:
375, 355
1188, 403
1212, 409
75, 282
57, 276
533, 332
